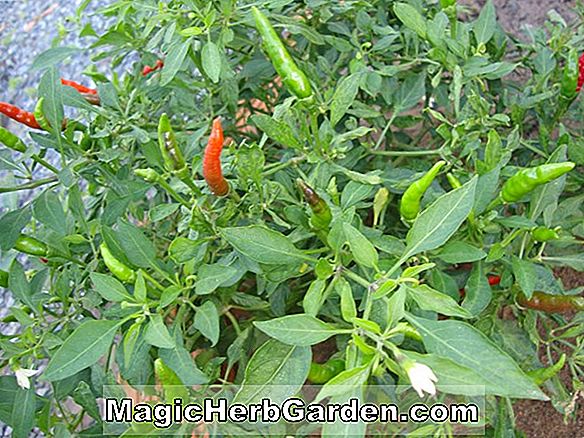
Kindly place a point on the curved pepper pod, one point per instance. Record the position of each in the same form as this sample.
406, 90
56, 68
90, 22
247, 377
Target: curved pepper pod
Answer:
294, 78
551, 303
569, 85
580, 74
212, 161
527, 180
30, 245
120, 271
169, 149
19, 115
544, 234
322, 373
11, 141
412, 197
321, 212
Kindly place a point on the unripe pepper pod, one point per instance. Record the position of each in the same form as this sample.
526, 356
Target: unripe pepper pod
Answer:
551, 303
527, 180
569, 85
121, 271
412, 197
321, 212
30, 245
3, 278
294, 78
39, 115
453, 181
212, 161
169, 149
322, 373
11, 141
149, 175
544, 234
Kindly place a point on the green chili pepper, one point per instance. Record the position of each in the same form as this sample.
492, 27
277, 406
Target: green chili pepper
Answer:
149, 175
552, 303
39, 115
171, 153
171, 383
322, 373
453, 181
3, 278
544, 234
294, 78
31, 245
321, 213
527, 180
447, 3
11, 141
412, 197
569, 85
121, 271
542, 374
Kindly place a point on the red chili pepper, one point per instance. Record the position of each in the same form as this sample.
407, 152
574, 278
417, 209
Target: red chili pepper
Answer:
581, 75
44, 259
494, 280
81, 88
552, 303
147, 69
212, 161
19, 115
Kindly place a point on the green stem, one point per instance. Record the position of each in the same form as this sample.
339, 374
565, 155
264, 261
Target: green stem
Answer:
279, 166
44, 163
173, 194
29, 186
384, 132
407, 153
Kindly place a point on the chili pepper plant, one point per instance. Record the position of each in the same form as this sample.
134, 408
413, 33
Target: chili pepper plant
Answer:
345, 194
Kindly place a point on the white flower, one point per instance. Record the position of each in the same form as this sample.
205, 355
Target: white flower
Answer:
22, 375
422, 378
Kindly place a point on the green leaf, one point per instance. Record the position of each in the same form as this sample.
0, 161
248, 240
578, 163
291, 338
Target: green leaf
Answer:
182, 250
278, 131
411, 18
48, 209
53, 56
344, 382
50, 89
469, 347
110, 288
364, 252
524, 273
23, 413
207, 321
429, 299
410, 92
11, 224
348, 308
436, 224
162, 211
485, 26
174, 60
181, 362
478, 293
460, 252
210, 277
84, 347
19, 285
135, 245
211, 61
140, 291
340, 428
344, 97
313, 298
263, 245
454, 378
276, 371
299, 329
157, 334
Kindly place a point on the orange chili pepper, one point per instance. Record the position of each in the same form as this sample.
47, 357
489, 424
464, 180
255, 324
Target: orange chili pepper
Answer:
20, 115
81, 88
212, 161
147, 69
